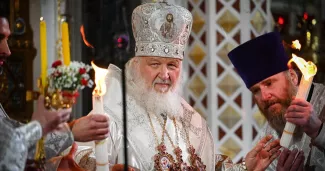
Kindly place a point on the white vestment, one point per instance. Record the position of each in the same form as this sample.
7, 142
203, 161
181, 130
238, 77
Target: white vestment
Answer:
140, 137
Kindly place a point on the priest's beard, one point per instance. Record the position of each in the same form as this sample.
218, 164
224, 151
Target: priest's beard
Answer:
276, 117
154, 102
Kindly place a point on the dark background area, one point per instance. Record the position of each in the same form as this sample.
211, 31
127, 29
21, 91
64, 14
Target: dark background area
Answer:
103, 21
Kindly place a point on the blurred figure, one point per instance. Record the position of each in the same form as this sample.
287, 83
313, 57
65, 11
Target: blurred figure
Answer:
17, 141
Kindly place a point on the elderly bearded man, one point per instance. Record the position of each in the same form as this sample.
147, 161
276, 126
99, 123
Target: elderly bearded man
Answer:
262, 64
164, 132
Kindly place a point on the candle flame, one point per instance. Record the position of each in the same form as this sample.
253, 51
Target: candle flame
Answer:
82, 31
100, 74
308, 69
296, 44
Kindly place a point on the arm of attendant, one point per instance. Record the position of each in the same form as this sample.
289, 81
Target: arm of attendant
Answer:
55, 143
15, 143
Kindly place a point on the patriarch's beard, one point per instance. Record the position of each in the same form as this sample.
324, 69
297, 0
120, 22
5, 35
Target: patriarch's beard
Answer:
168, 102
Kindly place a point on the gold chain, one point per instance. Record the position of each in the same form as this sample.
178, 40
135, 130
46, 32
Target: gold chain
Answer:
176, 132
154, 132
188, 143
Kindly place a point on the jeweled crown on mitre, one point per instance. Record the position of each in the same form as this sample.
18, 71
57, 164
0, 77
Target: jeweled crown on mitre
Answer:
161, 29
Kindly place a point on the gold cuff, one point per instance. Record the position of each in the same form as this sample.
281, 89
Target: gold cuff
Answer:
285, 131
102, 164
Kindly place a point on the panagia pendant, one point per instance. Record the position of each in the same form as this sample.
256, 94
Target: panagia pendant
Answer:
163, 160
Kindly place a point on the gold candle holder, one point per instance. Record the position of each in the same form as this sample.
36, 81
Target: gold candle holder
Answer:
60, 99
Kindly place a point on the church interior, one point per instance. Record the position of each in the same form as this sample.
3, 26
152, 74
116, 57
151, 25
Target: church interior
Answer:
44, 31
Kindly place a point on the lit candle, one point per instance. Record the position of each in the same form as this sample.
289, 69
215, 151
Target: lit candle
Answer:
101, 153
43, 50
65, 43
308, 70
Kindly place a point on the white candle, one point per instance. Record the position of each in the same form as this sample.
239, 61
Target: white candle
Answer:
308, 70
101, 152
98, 106
289, 128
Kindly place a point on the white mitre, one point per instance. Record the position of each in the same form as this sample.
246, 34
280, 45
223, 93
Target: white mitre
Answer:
161, 29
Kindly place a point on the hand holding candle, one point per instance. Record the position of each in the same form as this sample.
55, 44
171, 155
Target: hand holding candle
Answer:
98, 108
308, 70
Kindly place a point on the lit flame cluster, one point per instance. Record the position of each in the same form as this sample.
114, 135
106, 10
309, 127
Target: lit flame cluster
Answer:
308, 69
100, 74
296, 44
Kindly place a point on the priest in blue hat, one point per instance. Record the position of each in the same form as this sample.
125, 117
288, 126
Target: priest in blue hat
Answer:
262, 65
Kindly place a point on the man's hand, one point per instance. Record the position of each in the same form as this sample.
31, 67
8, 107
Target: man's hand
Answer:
91, 127
288, 161
50, 120
263, 154
301, 113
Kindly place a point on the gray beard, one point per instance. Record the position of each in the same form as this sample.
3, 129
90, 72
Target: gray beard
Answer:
277, 120
159, 103
154, 102
278, 123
